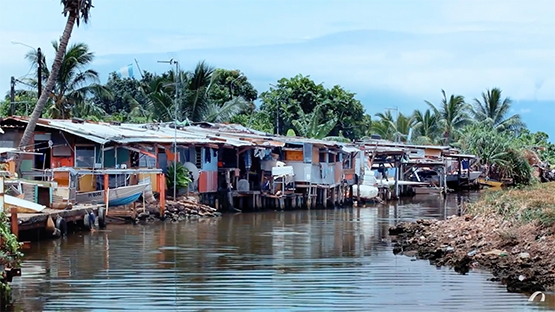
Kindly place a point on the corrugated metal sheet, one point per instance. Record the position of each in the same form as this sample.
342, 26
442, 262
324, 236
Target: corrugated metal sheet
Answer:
350, 149
103, 133
7, 150
229, 134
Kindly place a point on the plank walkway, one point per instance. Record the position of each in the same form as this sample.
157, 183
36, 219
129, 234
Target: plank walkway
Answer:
29, 221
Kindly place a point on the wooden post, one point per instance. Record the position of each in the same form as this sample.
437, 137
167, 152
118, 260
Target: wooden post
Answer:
2, 193
106, 186
14, 222
397, 179
358, 191
162, 187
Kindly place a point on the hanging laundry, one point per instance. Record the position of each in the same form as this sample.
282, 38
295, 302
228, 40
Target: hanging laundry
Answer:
260, 152
207, 155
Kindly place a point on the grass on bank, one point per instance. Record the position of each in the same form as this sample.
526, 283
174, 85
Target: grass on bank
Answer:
519, 205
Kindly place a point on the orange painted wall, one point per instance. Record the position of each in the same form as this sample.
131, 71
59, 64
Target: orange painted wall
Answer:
62, 162
315, 155
294, 155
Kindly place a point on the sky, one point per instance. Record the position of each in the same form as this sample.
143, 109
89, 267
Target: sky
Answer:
393, 54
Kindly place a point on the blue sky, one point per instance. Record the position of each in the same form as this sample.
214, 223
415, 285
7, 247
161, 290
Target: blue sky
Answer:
391, 53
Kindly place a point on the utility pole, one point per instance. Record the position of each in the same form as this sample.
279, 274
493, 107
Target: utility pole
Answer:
39, 72
176, 112
12, 96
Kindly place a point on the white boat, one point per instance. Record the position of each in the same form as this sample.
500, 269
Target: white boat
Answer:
471, 177
120, 196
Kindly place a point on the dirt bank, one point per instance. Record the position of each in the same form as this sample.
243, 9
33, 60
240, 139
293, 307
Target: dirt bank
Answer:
511, 233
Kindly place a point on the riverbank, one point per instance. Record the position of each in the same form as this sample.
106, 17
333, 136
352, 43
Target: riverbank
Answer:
509, 232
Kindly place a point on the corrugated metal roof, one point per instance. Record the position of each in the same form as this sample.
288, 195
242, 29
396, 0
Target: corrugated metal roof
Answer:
230, 134
103, 133
350, 149
7, 150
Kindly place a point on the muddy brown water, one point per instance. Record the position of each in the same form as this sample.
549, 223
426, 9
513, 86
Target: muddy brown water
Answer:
325, 260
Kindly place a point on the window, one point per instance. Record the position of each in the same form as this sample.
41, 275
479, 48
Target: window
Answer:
146, 161
323, 157
348, 162
84, 156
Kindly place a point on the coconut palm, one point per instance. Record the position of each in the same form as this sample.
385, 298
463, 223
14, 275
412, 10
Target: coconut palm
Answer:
75, 84
75, 11
213, 112
393, 129
385, 126
492, 107
426, 127
453, 115
196, 91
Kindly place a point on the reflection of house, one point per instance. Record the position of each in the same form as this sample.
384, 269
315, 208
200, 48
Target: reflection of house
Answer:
220, 158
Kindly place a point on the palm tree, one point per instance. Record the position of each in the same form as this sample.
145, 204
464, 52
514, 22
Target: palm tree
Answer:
385, 127
453, 114
75, 11
213, 112
492, 107
393, 129
197, 88
74, 85
426, 127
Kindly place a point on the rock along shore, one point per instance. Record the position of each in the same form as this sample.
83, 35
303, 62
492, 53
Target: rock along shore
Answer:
521, 257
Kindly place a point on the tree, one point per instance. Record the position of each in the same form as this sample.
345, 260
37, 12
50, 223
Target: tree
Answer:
292, 97
394, 129
500, 152
75, 84
453, 115
491, 107
257, 120
197, 89
351, 118
75, 11
122, 90
229, 84
25, 101
282, 101
313, 124
426, 127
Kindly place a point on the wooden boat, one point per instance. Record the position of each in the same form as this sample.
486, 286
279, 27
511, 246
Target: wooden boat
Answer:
120, 196
490, 183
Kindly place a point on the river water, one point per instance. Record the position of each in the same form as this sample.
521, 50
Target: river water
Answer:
326, 260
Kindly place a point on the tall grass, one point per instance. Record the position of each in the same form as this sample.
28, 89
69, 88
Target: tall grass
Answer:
534, 203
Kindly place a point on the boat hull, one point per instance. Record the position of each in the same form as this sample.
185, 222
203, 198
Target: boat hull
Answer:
490, 183
120, 196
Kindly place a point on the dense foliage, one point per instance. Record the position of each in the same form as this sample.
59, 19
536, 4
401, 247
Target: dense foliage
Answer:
178, 173
10, 254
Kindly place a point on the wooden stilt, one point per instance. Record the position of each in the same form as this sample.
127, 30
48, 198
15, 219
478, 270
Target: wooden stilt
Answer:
162, 187
14, 222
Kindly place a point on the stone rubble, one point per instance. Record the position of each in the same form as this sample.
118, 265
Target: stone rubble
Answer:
521, 257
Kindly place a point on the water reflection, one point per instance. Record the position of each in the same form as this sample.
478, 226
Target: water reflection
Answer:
296, 260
